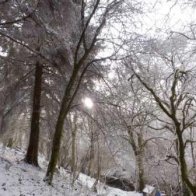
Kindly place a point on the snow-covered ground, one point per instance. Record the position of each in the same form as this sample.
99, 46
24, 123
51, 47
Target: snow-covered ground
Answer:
20, 179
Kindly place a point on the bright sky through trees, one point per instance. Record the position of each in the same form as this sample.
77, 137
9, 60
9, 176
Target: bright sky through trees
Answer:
166, 15
88, 102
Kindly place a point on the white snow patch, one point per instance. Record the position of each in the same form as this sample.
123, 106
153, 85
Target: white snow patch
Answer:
148, 189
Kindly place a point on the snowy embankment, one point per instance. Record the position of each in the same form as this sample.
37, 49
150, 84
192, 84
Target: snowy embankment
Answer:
20, 179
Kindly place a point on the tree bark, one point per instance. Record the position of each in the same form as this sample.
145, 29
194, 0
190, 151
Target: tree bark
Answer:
139, 172
139, 153
32, 151
138, 150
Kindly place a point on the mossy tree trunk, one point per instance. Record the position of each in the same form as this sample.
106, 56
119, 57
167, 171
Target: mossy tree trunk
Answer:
68, 97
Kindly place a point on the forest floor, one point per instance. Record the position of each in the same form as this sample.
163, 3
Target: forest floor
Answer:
20, 179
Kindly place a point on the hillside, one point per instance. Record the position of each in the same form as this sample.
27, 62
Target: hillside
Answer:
20, 179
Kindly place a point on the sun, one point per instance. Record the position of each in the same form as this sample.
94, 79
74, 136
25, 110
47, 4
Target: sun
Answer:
88, 102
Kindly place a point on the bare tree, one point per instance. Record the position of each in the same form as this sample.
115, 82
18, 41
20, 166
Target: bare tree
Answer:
179, 108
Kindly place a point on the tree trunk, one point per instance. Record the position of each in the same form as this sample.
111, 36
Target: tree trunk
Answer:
182, 161
73, 145
139, 163
139, 172
91, 155
32, 151
192, 147
55, 149
97, 177
73, 149
64, 109
1, 123
138, 150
